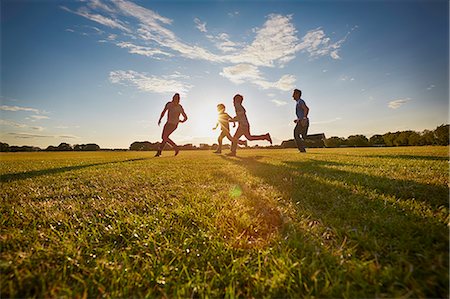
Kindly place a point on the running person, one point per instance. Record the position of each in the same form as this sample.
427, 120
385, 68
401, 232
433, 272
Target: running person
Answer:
244, 126
174, 109
224, 122
302, 121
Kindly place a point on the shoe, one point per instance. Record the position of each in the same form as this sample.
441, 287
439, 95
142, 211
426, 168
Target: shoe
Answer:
302, 150
217, 152
158, 154
269, 138
176, 151
231, 154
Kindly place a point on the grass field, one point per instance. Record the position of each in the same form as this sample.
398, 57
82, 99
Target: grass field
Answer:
346, 222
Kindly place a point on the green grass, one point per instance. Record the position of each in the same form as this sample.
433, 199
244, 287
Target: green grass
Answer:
270, 223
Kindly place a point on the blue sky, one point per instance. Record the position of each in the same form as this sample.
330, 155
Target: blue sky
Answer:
101, 71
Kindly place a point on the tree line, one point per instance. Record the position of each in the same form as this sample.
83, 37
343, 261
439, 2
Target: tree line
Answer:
439, 136
63, 147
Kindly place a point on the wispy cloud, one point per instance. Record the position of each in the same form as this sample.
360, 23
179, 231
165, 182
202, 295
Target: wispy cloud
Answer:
395, 104
279, 103
275, 43
317, 44
17, 108
431, 87
142, 50
67, 136
201, 26
241, 73
4, 122
39, 117
148, 83
28, 135
105, 21
147, 33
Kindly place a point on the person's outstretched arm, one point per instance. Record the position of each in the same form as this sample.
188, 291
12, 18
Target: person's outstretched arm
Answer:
162, 113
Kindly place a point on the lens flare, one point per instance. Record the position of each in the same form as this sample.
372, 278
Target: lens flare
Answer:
235, 191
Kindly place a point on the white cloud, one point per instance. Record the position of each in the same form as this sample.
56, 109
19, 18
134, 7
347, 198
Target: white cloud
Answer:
148, 83
67, 136
279, 103
200, 26
317, 44
241, 73
4, 122
141, 50
28, 135
39, 117
395, 104
233, 14
17, 108
84, 12
431, 87
147, 33
274, 43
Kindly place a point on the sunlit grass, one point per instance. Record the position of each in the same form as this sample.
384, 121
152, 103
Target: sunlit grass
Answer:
269, 223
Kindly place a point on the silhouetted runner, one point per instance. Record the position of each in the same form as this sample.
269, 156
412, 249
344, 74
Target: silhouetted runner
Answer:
244, 126
174, 109
224, 122
302, 121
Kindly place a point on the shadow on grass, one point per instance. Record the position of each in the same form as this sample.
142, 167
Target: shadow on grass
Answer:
408, 249
433, 195
407, 157
35, 173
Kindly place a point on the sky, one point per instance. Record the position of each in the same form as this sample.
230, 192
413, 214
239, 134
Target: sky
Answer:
96, 71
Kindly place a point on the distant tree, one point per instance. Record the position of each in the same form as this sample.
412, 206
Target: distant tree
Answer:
91, 147
414, 139
402, 138
24, 148
441, 135
289, 144
144, 146
51, 148
334, 141
64, 147
86, 147
428, 137
4, 147
389, 138
357, 140
376, 140
204, 146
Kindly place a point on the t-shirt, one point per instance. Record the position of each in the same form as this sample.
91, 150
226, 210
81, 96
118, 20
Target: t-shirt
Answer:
173, 112
223, 120
299, 110
241, 115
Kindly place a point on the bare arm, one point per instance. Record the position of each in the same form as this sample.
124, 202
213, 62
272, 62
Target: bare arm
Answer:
162, 113
184, 116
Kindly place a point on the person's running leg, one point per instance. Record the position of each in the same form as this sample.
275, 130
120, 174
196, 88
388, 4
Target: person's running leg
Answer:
239, 132
168, 129
300, 133
256, 137
220, 141
240, 142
